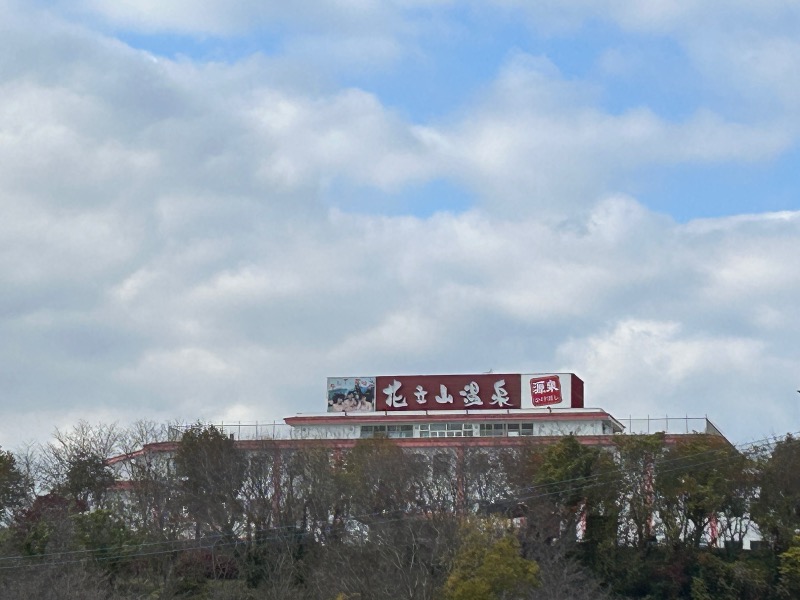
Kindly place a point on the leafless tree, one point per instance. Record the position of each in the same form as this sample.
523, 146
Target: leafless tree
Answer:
74, 462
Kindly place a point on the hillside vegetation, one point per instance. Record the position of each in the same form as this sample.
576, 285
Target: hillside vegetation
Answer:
204, 518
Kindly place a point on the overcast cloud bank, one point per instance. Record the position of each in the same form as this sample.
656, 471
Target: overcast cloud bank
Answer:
182, 237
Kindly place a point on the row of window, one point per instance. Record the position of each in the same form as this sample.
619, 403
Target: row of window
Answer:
431, 430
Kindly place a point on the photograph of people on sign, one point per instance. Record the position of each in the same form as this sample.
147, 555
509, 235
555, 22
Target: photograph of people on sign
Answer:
351, 394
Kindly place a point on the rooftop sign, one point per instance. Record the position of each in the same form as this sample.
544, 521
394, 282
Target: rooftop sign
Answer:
454, 392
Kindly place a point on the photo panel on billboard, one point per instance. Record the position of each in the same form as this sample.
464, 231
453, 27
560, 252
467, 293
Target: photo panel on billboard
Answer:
351, 394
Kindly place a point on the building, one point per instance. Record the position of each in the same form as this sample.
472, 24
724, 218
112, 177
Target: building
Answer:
482, 409
441, 411
448, 418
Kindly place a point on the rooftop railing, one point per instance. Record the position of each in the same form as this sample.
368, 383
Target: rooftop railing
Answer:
674, 425
278, 430
268, 430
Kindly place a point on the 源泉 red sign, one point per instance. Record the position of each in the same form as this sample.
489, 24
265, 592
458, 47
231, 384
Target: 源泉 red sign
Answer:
545, 391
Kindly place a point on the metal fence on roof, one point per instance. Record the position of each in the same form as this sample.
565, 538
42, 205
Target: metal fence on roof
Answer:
278, 430
268, 430
666, 424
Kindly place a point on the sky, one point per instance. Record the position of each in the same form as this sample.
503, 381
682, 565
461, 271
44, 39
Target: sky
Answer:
209, 207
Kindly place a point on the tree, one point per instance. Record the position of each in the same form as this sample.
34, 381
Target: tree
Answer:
562, 577
635, 487
45, 527
485, 476
103, 533
76, 581
718, 578
74, 464
87, 480
399, 559
696, 482
572, 483
490, 567
789, 570
12, 486
311, 493
777, 509
378, 476
375, 522
211, 472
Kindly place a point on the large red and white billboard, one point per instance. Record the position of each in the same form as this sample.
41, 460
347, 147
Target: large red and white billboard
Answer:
486, 391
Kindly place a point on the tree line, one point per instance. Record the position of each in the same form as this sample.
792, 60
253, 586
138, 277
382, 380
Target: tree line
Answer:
207, 517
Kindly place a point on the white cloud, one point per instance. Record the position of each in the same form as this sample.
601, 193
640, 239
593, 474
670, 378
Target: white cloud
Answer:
657, 356
657, 16
536, 143
216, 17
220, 17
660, 368
757, 69
169, 248
346, 135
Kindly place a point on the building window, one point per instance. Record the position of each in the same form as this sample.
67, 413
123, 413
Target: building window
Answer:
400, 431
492, 430
390, 431
446, 430
369, 431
